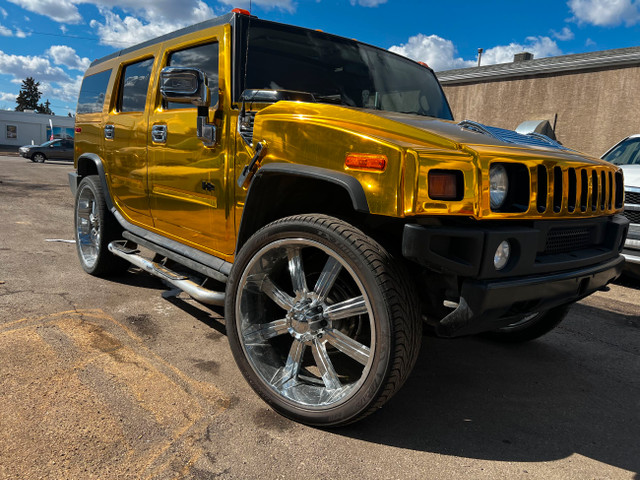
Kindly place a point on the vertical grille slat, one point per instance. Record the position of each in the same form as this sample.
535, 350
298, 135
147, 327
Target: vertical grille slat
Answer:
573, 190
558, 193
542, 188
594, 190
584, 190
603, 190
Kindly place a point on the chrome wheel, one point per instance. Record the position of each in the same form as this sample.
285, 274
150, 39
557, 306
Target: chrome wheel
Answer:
88, 227
38, 157
305, 323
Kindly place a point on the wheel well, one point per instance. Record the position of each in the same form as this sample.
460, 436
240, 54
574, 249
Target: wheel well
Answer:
86, 166
279, 196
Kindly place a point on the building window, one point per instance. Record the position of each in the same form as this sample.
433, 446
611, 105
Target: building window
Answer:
12, 131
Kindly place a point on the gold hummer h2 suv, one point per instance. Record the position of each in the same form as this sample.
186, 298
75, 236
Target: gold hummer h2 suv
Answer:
319, 189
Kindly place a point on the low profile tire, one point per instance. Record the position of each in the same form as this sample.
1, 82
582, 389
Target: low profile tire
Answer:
321, 321
38, 157
530, 327
95, 228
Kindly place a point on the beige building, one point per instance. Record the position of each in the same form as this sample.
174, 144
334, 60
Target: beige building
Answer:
592, 99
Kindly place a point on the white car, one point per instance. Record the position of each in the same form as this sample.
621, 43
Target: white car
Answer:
626, 154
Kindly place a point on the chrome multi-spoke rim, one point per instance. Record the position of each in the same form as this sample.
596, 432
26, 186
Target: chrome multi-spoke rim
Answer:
305, 323
87, 227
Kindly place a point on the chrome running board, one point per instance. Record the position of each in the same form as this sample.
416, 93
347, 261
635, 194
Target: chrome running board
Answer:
179, 281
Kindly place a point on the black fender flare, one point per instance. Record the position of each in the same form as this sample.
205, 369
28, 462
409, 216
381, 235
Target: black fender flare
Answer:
86, 163
263, 179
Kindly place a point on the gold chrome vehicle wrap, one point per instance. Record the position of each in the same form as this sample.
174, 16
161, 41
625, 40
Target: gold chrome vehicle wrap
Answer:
551, 183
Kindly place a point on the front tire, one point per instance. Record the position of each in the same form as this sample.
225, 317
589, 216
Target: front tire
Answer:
38, 157
321, 320
530, 327
95, 228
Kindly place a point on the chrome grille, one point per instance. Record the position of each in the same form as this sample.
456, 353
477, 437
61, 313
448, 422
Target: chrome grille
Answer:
578, 190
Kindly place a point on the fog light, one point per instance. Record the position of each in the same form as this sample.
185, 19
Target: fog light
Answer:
501, 257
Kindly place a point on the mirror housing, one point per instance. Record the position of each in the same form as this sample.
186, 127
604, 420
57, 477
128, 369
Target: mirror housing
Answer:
185, 85
190, 85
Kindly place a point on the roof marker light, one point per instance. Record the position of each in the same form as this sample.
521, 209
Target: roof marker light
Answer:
241, 11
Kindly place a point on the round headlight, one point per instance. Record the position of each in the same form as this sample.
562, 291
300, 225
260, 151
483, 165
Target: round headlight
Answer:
501, 257
498, 185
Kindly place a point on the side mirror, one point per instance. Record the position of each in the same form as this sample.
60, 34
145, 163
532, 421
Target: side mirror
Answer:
185, 85
190, 85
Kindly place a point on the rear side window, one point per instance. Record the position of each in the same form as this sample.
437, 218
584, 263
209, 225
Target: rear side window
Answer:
92, 92
204, 58
134, 85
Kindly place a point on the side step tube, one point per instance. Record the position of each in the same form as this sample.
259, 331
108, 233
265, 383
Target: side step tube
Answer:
181, 282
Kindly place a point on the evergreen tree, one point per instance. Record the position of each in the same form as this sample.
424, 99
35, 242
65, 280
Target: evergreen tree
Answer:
29, 95
46, 108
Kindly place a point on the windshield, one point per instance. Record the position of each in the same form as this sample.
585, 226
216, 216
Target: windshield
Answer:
340, 71
625, 153
50, 142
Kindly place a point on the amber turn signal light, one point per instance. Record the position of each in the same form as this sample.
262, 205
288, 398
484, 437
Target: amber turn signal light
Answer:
366, 161
445, 185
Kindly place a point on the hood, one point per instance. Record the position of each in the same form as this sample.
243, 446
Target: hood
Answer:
631, 175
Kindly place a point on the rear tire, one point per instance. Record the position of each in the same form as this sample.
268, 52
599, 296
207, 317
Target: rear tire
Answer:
95, 228
530, 327
322, 322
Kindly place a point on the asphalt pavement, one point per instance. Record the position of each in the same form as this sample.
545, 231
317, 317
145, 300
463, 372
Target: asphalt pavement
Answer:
120, 378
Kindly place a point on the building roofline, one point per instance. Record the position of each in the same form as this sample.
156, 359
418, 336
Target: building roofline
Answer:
566, 63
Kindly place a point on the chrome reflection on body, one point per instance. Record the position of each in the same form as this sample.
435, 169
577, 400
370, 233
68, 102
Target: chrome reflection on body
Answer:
88, 227
314, 347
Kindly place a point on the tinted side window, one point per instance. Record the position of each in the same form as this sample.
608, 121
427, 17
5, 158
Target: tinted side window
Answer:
134, 85
202, 57
92, 92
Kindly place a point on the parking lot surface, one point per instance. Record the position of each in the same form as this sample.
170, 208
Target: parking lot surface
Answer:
121, 378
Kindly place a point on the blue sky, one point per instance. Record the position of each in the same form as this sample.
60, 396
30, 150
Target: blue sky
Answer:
55, 40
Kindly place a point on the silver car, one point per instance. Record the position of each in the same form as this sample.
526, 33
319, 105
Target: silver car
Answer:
626, 153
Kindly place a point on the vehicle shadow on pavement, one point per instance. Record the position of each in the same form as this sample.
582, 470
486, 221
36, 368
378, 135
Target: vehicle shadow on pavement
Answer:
571, 392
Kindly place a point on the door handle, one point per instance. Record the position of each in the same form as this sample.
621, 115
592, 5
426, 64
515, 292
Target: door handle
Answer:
109, 131
208, 186
159, 134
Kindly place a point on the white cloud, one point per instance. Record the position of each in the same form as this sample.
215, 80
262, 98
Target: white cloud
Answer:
156, 18
8, 97
605, 13
564, 35
3, 12
67, 56
440, 54
21, 67
63, 11
65, 91
286, 5
5, 32
539, 46
437, 52
368, 3
21, 34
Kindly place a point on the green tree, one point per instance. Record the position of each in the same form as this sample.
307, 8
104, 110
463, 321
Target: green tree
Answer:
29, 95
46, 108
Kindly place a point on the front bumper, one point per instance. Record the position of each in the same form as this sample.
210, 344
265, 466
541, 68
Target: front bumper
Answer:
552, 263
488, 305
